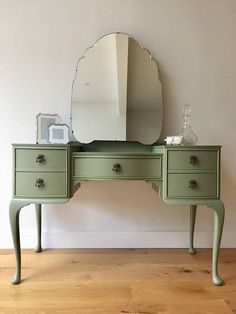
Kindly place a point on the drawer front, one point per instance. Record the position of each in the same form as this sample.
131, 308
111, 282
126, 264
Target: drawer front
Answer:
41, 159
28, 184
192, 160
192, 185
130, 168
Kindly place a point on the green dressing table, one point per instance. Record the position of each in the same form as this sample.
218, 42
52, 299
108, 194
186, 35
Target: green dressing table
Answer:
122, 147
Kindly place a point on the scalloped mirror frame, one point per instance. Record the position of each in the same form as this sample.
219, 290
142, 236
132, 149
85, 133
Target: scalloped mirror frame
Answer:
130, 110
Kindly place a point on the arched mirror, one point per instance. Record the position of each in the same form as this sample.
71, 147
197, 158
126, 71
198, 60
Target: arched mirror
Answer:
116, 93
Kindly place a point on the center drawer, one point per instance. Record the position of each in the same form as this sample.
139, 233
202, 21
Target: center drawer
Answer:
148, 167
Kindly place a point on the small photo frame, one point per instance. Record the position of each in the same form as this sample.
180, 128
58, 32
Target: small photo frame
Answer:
43, 121
58, 134
174, 140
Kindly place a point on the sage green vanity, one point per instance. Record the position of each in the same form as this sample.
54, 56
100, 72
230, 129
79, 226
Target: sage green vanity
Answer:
186, 175
116, 118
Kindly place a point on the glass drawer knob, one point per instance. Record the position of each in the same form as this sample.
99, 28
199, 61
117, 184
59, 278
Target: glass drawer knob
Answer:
193, 160
40, 158
193, 184
39, 183
116, 167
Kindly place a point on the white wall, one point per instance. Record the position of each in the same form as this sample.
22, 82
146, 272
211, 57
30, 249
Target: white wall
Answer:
195, 45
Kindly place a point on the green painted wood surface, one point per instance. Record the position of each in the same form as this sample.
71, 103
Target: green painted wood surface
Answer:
168, 168
131, 167
55, 159
178, 185
55, 184
180, 160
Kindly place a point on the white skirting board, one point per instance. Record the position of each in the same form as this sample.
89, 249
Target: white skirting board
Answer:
163, 239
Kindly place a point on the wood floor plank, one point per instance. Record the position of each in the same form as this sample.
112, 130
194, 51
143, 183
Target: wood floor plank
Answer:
112, 281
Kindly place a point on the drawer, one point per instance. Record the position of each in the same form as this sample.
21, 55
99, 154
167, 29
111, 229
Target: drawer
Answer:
40, 159
192, 185
192, 160
130, 168
53, 184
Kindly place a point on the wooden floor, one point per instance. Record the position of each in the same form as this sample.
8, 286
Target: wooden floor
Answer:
142, 281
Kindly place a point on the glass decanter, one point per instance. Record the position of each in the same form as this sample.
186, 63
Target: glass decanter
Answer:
189, 137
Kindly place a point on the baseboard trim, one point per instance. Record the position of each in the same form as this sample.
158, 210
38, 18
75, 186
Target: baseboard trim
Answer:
155, 239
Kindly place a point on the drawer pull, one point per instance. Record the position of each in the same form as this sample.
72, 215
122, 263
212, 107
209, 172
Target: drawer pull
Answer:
193, 184
40, 158
116, 167
39, 183
193, 160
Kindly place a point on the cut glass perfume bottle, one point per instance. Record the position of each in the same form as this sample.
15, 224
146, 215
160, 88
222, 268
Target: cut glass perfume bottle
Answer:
189, 137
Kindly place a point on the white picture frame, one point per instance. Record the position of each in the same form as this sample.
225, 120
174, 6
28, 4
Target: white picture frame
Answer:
43, 120
58, 134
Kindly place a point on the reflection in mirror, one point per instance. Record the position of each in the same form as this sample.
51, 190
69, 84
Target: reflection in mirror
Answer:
116, 93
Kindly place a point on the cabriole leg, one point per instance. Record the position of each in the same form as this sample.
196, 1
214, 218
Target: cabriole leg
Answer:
193, 210
219, 213
14, 213
38, 211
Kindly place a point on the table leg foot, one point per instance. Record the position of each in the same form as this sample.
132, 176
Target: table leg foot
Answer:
217, 280
192, 251
38, 249
16, 279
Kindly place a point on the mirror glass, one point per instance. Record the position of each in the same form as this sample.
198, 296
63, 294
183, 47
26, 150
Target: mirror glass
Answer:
116, 93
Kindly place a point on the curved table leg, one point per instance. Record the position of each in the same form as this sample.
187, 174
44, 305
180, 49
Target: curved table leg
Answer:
38, 211
14, 213
219, 213
193, 210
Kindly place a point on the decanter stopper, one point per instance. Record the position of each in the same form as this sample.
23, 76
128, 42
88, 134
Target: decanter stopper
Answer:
189, 137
